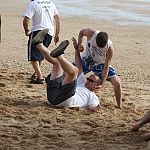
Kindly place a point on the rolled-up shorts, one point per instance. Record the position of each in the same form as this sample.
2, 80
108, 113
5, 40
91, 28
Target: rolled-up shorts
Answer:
33, 53
98, 69
58, 93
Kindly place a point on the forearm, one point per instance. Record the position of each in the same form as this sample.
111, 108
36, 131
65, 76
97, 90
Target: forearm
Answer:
104, 76
57, 22
26, 25
105, 71
106, 65
80, 37
78, 61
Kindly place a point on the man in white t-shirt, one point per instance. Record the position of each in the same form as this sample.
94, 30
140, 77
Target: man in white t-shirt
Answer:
67, 85
96, 57
43, 14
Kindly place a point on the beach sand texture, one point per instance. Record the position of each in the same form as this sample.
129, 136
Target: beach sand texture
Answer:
27, 122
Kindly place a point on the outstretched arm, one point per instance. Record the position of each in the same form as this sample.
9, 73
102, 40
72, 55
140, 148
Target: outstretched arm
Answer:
84, 32
78, 61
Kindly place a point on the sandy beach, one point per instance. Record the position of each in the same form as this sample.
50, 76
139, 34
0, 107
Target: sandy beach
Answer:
28, 122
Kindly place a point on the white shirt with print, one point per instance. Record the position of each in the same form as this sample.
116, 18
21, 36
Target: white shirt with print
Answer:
98, 55
83, 96
42, 13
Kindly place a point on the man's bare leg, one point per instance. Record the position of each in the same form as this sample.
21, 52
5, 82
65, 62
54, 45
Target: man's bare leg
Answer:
56, 70
116, 82
60, 64
71, 72
37, 69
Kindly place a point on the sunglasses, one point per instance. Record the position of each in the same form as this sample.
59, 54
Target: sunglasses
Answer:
90, 80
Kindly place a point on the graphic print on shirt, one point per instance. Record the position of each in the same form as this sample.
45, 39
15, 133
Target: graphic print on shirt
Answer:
95, 53
90, 60
45, 5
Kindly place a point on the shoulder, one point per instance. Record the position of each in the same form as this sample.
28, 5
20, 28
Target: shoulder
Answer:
87, 31
110, 44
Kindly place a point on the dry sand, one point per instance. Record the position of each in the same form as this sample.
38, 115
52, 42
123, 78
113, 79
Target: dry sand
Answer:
27, 122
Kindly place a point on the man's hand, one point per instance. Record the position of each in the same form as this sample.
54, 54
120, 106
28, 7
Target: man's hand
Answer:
75, 44
27, 32
76, 47
80, 48
93, 86
56, 39
97, 88
94, 108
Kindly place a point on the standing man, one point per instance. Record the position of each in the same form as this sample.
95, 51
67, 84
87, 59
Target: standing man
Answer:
97, 57
43, 14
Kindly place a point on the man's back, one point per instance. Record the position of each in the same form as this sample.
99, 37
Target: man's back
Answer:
95, 54
42, 13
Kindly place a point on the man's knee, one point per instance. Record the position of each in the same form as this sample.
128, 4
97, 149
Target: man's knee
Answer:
116, 82
74, 72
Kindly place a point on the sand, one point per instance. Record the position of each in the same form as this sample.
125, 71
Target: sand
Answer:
27, 122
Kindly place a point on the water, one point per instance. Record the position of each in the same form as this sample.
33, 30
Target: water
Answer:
123, 12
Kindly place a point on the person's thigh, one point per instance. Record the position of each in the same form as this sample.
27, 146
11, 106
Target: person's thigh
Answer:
58, 93
33, 53
98, 69
86, 67
47, 40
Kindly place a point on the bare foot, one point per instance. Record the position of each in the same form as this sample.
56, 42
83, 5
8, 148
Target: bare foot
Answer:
136, 127
146, 137
119, 107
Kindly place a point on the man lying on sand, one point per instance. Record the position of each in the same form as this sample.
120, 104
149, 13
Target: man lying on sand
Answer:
140, 123
67, 85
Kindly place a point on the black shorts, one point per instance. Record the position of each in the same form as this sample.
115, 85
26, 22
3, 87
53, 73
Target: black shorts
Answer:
33, 53
58, 93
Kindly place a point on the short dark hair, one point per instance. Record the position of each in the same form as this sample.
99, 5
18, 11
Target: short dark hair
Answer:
101, 39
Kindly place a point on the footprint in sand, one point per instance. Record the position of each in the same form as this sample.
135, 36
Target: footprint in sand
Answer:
11, 122
2, 85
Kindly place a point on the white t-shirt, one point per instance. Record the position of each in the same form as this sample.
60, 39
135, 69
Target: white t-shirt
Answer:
83, 96
42, 13
97, 54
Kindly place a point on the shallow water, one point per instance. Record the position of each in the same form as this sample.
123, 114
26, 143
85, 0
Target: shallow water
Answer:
123, 12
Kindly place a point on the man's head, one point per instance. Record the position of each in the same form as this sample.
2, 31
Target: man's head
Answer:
101, 39
93, 82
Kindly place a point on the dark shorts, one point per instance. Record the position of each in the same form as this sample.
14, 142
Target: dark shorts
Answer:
58, 93
98, 69
33, 53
